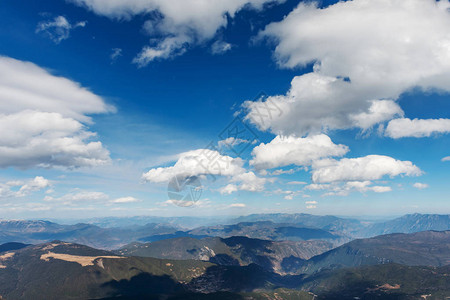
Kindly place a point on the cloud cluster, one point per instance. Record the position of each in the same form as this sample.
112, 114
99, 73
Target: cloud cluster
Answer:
400, 128
371, 167
45, 126
365, 55
58, 29
203, 162
345, 188
289, 150
77, 197
14, 189
175, 25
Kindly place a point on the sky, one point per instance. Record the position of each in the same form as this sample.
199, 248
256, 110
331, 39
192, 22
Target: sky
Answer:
226, 107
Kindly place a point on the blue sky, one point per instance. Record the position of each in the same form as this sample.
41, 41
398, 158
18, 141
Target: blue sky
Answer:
358, 91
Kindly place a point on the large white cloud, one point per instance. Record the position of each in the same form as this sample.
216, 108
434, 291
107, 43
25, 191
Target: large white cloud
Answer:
363, 51
29, 86
202, 162
40, 139
195, 163
286, 150
418, 128
42, 116
180, 22
371, 167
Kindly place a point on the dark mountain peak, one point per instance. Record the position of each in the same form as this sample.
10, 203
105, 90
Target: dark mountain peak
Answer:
12, 246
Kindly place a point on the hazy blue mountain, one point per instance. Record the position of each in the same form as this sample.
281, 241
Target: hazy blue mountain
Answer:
428, 248
344, 225
408, 224
181, 222
34, 232
271, 231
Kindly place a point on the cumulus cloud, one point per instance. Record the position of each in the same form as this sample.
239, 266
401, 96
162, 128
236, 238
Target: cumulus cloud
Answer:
22, 189
447, 158
58, 29
378, 112
178, 24
400, 128
365, 55
420, 186
203, 162
122, 200
40, 139
345, 188
371, 167
196, 163
45, 126
289, 150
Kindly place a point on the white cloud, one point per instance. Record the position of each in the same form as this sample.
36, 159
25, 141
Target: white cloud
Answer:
231, 141
31, 87
37, 184
378, 112
180, 24
80, 196
249, 182
115, 54
400, 128
283, 151
420, 186
203, 162
371, 167
297, 182
311, 202
447, 158
40, 139
58, 29
24, 188
345, 188
228, 189
128, 199
220, 47
363, 52
237, 205
44, 127
182, 203
196, 163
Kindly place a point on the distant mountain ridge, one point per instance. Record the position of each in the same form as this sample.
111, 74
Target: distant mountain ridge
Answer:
427, 248
408, 224
293, 227
279, 257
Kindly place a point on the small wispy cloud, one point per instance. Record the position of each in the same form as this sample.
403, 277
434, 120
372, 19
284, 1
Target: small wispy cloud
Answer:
58, 29
420, 186
115, 54
220, 47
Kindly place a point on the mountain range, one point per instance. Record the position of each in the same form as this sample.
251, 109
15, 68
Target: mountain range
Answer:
395, 266
276, 227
